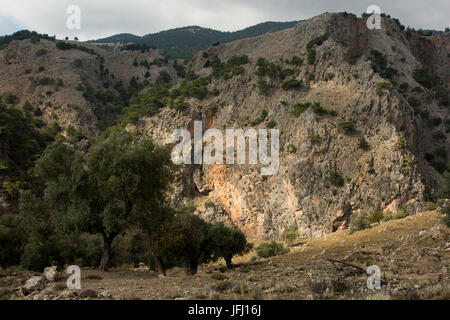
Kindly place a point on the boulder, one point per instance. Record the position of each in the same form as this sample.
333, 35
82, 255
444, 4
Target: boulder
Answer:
34, 284
88, 293
51, 273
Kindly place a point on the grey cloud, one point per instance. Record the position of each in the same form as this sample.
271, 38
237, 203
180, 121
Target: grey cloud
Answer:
106, 17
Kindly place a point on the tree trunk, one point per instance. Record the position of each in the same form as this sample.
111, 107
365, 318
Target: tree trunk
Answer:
161, 266
104, 264
193, 267
228, 262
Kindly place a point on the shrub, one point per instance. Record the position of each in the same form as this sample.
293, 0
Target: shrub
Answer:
270, 69
261, 118
382, 86
299, 108
78, 63
271, 124
296, 61
336, 179
263, 86
413, 102
75, 134
348, 126
290, 234
271, 249
376, 216
315, 138
291, 84
439, 135
41, 52
403, 88
401, 143
11, 99
380, 65
363, 144
318, 109
435, 121
352, 55
292, 148
312, 56
402, 213
441, 152
359, 221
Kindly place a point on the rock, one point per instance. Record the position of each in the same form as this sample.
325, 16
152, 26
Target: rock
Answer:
33, 284
105, 294
67, 295
51, 273
88, 293
5, 291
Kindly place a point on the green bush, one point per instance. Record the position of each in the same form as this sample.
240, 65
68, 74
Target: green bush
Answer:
352, 55
315, 138
380, 65
363, 144
290, 234
291, 84
271, 124
402, 213
263, 86
312, 56
382, 86
75, 134
11, 240
336, 179
359, 221
299, 108
261, 118
296, 61
318, 109
41, 52
11, 99
401, 143
270, 69
376, 216
271, 249
348, 126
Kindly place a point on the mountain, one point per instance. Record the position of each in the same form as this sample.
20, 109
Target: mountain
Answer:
363, 114
363, 118
185, 42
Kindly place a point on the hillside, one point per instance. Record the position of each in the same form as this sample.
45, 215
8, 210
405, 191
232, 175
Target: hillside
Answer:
412, 254
185, 42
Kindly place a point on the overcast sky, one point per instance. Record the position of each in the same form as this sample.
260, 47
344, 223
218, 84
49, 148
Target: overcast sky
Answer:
102, 18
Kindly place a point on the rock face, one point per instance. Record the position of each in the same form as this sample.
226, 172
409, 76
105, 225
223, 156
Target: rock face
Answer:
313, 146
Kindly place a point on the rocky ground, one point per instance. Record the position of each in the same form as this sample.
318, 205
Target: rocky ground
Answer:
413, 255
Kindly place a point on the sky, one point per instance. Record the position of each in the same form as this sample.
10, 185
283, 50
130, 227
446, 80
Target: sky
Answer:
103, 18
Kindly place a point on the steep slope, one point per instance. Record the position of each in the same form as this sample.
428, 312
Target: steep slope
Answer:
84, 87
328, 169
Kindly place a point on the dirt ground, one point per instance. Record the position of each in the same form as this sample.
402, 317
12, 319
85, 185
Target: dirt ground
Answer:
413, 255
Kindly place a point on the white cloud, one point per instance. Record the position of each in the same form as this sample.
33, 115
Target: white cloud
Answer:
106, 17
